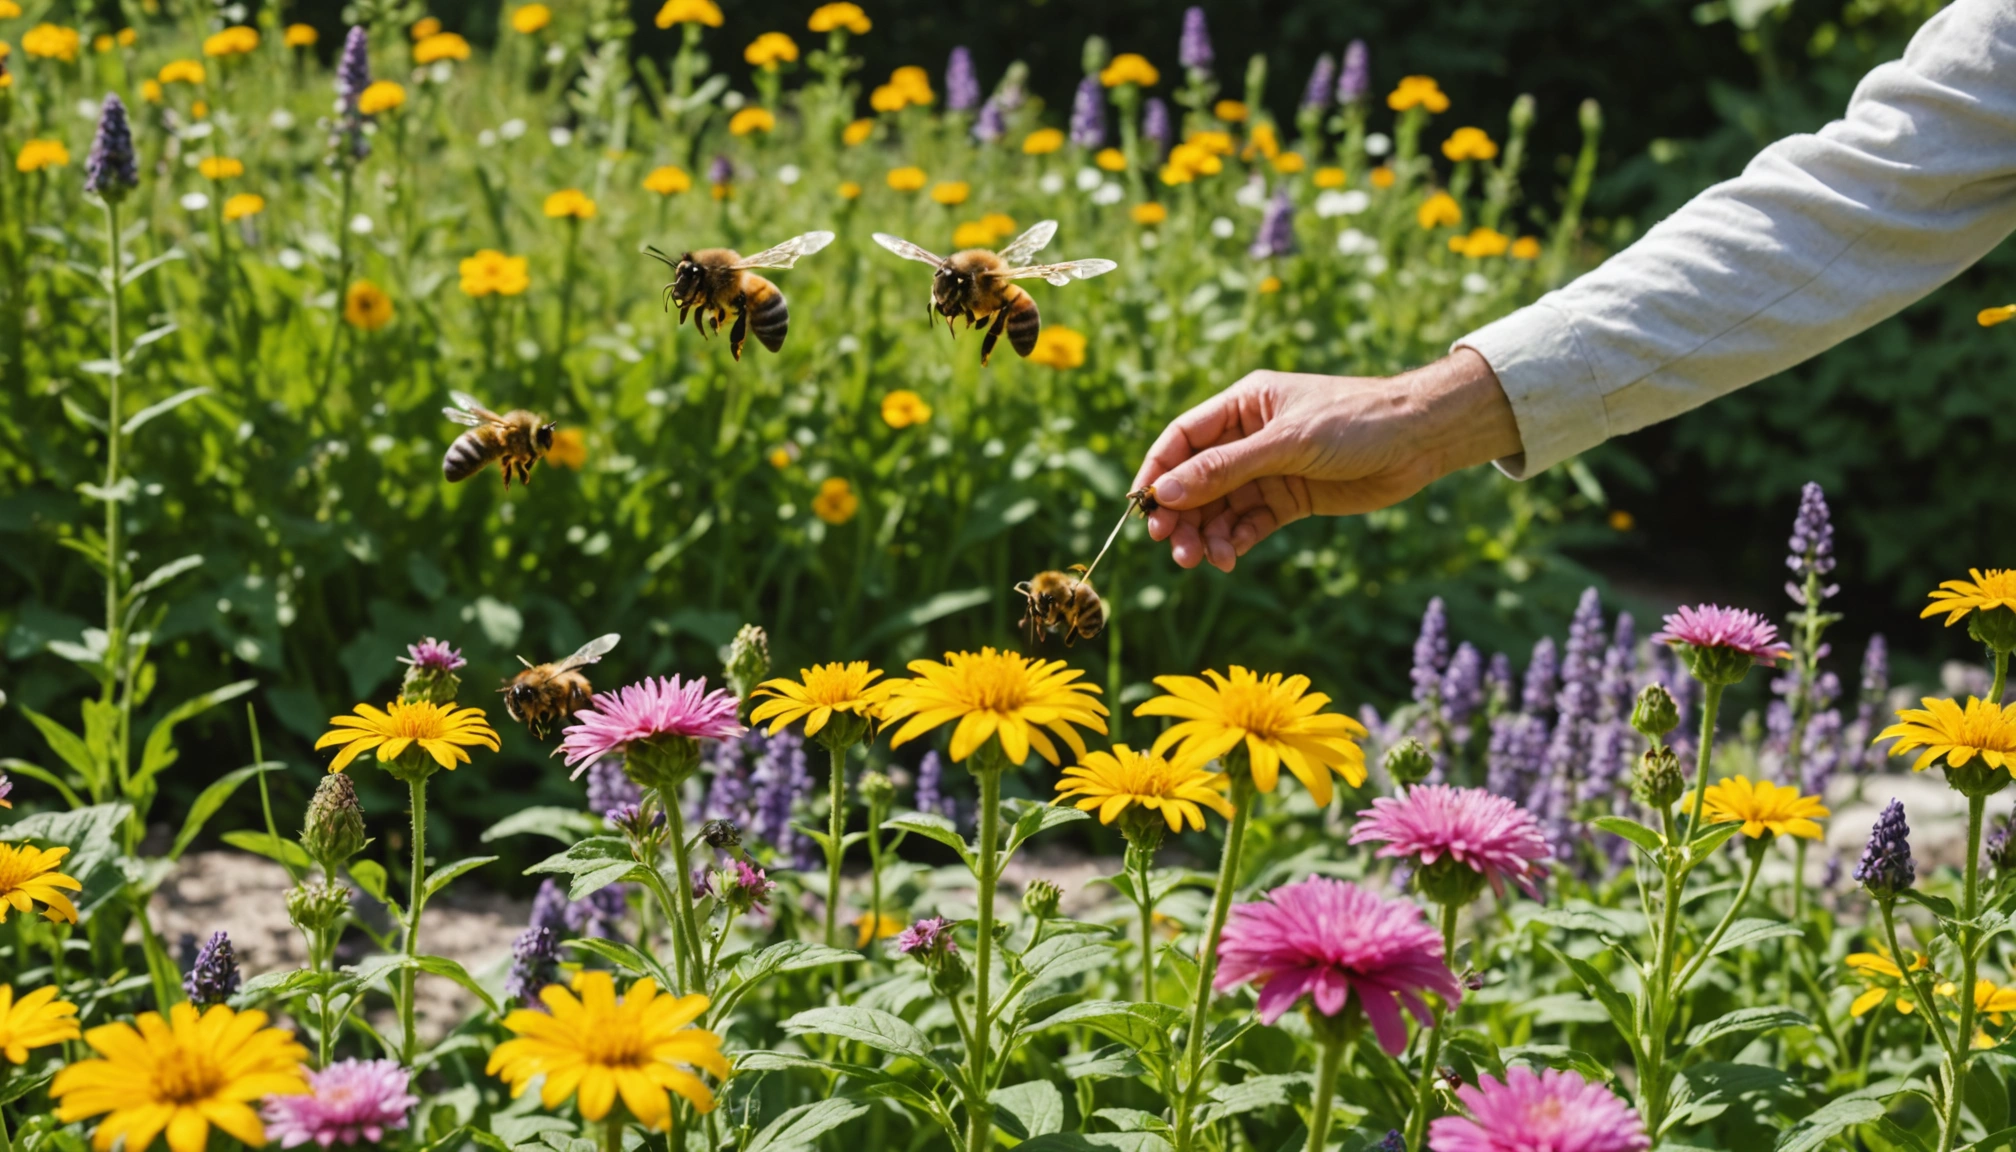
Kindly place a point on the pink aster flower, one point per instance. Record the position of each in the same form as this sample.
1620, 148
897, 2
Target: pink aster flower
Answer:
928, 936
650, 709
1333, 939
1490, 833
1713, 626
1551, 1111
433, 655
349, 1102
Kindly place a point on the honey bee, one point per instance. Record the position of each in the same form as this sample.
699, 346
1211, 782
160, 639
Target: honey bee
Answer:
1144, 501
713, 282
549, 692
978, 284
516, 440
1061, 604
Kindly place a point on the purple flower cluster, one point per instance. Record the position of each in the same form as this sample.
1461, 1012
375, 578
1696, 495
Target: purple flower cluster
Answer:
353, 74
930, 797
433, 655
1194, 50
1277, 228
1461, 692
597, 917
991, 124
756, 782
1356, 80
535, 963
962, 85
720, 170
1811, 546
1886, 867
213, 973
1322, 78
610, 791
926, 938
111, 169
1155, 126
1088, 114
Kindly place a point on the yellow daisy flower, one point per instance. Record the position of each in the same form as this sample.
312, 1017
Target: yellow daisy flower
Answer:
1277, 718
849, 190
300, 36
1058, 347
818, 693
598, 1047
1382, 177
668, 180
180, 1075
530, 18
1129, 68
1328, 177
771, 49
1115, 781
887, 98
1481, 242
1111, 159
440, 730
36, 1020
1042, 142
1438, 210
28, 875
689, 12
1418, 92
244, 204
182, 72
570, 450
1230, 111
36, 155
1880, 972
570, 202
2000, 314
1995, 588
1991, 1001
1526, 248
1470, 144
491, 272
951, 193
52, 42
994, 693
381, 96
856, 131
828, 17
914, 83
366, 306
239, 40
903, 408
423, 28
221, 168
836, 502
1761, 807
751, 119
907, 179
868, 928
441, 46
1957, 735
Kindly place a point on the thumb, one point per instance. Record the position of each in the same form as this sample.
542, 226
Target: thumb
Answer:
1217, 472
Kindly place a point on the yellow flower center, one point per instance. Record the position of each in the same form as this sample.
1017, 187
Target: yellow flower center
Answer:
182, 1076
995, 682
15, 869
1259, 707
616, 1043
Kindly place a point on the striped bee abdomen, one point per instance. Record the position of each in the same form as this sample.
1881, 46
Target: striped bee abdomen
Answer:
466, 456
1024, 322
770, 319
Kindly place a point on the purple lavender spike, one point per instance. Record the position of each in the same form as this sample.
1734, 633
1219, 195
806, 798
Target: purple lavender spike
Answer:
962, 87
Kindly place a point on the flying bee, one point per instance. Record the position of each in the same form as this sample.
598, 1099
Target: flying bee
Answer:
713, 282
548, 692
978, 284
516, 440
1061, 604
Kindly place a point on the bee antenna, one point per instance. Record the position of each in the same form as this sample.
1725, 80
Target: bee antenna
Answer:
652, 251
525, 662
547, 427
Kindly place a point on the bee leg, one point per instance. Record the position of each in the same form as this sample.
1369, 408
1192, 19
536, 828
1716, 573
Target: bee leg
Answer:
683, 309
738, 333
993, 335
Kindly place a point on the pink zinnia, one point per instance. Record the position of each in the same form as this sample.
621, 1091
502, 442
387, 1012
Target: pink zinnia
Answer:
648, 710
348, 1102
1489, 833
433, 655
1551, 1111
931, 936
1333, 939
1713, 626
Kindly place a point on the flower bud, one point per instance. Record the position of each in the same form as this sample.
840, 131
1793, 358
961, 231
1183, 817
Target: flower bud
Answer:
316, 908
1095, 55
722, 834
949, 975
878, 791
1409, 762
1591, 116
1995, 627
747, 886
334, 829
663, 762
1144, 830
747, 660
1040, 899
1256, 78
430, 672
1448, 882
1522, 112
1655, 714
1659, 780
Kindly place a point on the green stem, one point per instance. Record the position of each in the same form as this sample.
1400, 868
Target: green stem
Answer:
1207, 963
836, 826
416, 897
1711, 704
1326, 1087
1147, 905
1918, 987
612, 1135
1963, 1037
343, 267
1694, 966
1424, 1087
875, 818
675, 823
979, 1116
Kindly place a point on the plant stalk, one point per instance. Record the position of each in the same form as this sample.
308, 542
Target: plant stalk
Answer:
979, 1113
1207, 962
408, 1039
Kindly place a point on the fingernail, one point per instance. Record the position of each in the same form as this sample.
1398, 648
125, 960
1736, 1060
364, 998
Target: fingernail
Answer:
1169, 490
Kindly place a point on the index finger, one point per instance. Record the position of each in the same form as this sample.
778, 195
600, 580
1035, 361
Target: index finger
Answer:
1194, 430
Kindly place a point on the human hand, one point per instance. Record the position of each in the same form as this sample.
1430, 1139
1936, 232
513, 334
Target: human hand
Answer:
1279, 446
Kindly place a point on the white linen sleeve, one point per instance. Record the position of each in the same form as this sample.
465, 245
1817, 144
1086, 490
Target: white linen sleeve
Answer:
1822, 236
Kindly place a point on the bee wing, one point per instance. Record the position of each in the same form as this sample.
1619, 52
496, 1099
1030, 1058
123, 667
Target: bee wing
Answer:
1060, 274
473, 412
786, 254
1025, 246
907, 250
588, 653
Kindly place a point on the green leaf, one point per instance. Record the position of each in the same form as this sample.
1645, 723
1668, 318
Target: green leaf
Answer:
801, 1126
1711, 839
160, 408
1646, 838
791, 956
1252, 1094
14, 1088
1039, 819
1937, 905
626, 957
2002, 1141
1060, 957
1746, 1020
160, 751
370, 876
1559, 1056
15, 767
1031, 1108
1095, 1142
936, 608
566, 825
870, 1026
1142, 1027
1986, 1095
279, 986
287, 852
514, 1132
446, 876
1752, 930
933, 827
594, 863
1830, 1121
1599, 986
375, 968
162, 575
68, 746
210, 800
